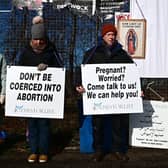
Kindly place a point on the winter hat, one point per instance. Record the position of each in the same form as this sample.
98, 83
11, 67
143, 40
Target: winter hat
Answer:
38, 29
108, 27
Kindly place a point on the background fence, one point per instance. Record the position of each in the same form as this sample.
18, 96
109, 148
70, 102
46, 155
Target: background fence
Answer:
72, 32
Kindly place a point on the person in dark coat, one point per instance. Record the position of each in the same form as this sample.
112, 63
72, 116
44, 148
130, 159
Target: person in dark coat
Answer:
39, 52
108, 51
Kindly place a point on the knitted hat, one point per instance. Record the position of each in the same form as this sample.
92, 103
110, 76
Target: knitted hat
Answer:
38, 29
108, 27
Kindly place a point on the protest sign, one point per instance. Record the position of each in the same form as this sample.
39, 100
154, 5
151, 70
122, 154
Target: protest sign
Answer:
33, 93
150, 128
121, 16
111, 89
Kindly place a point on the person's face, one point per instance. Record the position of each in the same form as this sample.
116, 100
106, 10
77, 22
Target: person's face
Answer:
109, 38
38, 43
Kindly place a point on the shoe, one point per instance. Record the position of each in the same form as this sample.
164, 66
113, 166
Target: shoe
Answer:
124, 157
43, 158
32, 158
121, 156
2, 141
113, 157
98, 156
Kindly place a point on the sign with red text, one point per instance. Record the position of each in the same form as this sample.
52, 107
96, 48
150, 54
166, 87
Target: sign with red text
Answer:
111, 89
33, 93
150, 128
121, 16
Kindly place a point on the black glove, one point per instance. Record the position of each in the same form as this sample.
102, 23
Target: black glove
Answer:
42, 67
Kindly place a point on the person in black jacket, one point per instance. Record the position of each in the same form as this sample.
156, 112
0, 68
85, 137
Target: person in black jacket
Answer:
108, 51
40, 52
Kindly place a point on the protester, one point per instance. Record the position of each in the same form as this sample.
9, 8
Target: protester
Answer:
39, 52
2, 92
3, 79
108, 51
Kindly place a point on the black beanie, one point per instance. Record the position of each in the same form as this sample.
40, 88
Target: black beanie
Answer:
38, 31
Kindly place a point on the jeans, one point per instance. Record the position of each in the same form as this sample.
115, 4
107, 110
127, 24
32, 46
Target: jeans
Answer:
39, 135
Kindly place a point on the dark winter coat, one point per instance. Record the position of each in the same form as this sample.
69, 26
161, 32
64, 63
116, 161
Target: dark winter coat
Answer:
103, 54
49, 56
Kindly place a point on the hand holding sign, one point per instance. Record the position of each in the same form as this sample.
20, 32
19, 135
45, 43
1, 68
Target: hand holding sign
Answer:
42, 67
80, 89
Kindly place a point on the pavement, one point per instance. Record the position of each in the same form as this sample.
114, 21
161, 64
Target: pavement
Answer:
14, 151
140, 159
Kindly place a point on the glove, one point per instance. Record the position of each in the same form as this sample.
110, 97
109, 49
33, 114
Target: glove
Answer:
42, 67
2, 99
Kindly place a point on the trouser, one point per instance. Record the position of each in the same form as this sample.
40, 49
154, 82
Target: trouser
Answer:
39, 135
98, 132
1, 115
119, 130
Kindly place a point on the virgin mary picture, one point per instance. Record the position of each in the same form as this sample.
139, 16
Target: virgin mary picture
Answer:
132, 35
131, 41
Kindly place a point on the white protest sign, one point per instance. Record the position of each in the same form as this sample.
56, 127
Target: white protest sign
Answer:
33, 93
111, 89
150, 129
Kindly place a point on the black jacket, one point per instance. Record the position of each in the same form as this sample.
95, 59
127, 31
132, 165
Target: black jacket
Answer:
103, 54
49, 56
